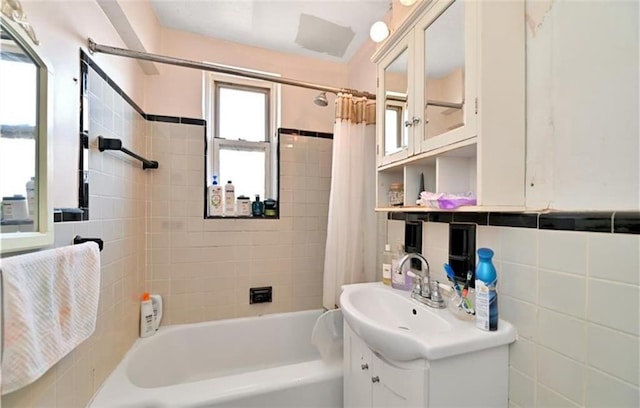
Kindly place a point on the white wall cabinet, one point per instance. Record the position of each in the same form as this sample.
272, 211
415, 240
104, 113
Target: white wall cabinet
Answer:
477, 379
451, 103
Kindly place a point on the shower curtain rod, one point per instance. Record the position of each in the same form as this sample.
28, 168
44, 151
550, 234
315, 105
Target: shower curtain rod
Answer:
105, 49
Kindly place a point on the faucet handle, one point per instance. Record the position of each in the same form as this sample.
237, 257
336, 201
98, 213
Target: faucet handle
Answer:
417, 281
435, 291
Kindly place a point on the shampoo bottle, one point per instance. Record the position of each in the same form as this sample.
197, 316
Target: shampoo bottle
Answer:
156, 303
486, 295
146, 316
387, 259
215, 198
229, 200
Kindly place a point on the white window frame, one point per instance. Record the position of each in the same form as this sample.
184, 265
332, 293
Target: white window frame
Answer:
212, 82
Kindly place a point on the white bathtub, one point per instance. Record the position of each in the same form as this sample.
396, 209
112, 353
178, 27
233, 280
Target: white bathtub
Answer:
265, 361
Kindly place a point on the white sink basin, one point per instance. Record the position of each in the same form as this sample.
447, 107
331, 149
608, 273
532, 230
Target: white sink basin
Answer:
401, 329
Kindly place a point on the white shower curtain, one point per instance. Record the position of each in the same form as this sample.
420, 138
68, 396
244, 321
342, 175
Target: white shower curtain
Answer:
351, 231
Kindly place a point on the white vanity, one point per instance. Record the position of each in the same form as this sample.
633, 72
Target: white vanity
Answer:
400, 353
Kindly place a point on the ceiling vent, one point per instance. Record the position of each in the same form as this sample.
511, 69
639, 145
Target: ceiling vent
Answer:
317, 34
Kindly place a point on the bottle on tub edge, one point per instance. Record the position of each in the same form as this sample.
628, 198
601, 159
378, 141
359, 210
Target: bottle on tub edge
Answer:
156, 303
146, 316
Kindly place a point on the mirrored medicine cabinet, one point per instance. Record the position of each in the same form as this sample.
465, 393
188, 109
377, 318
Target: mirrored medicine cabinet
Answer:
26, 218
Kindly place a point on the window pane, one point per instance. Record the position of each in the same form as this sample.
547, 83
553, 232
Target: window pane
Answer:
245, 169
241, 114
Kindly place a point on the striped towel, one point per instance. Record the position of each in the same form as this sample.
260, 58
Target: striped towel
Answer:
49, 307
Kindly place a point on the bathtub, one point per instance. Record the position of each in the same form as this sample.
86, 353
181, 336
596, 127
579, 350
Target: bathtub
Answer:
265, 361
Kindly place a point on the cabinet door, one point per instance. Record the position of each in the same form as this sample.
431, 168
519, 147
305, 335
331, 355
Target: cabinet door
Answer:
394, 108
357, 371
398, 387
445, 44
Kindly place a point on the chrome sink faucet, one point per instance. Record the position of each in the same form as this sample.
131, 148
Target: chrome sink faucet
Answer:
424, 291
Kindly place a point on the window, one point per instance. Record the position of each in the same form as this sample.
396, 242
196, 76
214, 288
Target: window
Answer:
243, 116
395, 132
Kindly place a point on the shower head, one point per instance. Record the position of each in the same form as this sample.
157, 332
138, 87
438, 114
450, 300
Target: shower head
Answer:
321, 100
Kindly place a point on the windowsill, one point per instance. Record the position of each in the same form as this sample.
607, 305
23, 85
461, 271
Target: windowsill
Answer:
239, 217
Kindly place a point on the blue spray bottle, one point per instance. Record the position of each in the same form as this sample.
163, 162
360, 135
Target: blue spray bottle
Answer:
486, 295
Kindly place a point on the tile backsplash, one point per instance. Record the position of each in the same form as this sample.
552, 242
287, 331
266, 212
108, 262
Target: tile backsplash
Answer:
204, 268
574, 299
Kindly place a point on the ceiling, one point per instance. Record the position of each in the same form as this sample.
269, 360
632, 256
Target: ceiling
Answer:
327, 29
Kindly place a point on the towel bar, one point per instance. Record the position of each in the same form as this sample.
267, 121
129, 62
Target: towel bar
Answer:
80, 240
116, 144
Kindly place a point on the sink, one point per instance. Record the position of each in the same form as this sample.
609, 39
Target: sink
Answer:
401, 329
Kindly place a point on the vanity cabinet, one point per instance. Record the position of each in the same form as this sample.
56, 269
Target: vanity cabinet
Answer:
476, 379
371, 381
451, 104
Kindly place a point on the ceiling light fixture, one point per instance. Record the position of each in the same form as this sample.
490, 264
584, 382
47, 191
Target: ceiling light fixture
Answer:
408, 3
379, 31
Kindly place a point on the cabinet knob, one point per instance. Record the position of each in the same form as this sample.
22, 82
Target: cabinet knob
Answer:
375, 379
415, 120
364, 366
408, 123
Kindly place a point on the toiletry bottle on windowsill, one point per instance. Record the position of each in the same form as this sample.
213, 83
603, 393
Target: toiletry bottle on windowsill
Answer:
215, 198
229, 200
257, 207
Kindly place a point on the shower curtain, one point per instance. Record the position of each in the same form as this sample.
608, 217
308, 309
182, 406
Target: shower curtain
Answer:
351, 231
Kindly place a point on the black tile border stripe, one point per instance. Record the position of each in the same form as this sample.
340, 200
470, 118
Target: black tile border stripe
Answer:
307, 133
577, 221
626, 222
153, 118
518, 220
84, 57
621, 222
82, 214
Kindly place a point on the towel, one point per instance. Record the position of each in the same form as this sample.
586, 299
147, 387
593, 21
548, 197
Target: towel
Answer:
327, 335
50, 306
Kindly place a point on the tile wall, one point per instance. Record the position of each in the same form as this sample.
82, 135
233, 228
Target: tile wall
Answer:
204, 268
117, 197
574, 299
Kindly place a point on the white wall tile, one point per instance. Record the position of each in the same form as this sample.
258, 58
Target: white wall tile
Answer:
563, 334
614, 305
615, 257
561, 374
606, 391
546, 398
563, 251
521, 389
614, 352
518, 281
524, 316
522, 356
489, 237
519, 245
562, 292
395, 233
436, 235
